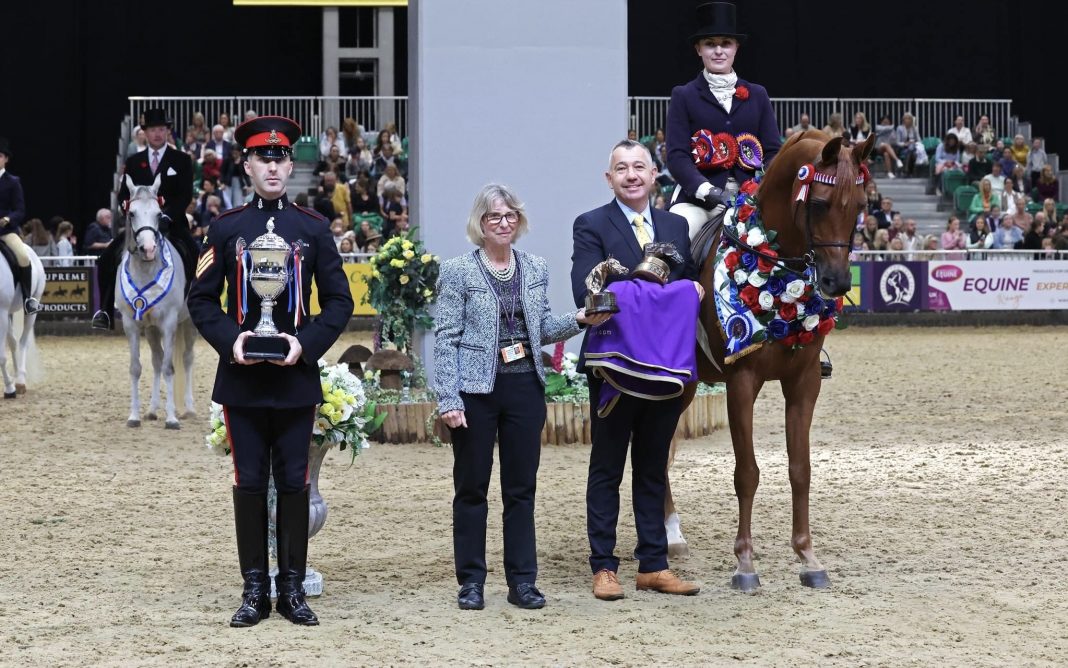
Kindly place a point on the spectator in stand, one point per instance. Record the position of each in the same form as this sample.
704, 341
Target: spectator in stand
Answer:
199, 128
345, 246
979, 166
234, 182
967, 155
907, 143
337, 228
1049, 207
881, 243
984, 133
930, 243
329, 140
953, 238
351, 131
1020, 150
860, 129
1009, 198
803, 123
963, 134
1019, 176
1008, 163
360, 159
995, 178
333, 162
363, 201
896, 251
394, 138
664, 177
871, 226
211, 167
228, 131
875, 200
393, 210
64, 245
947, 155
193, 147
250, 114
1007, 235
884, 143
885, 215
859, 244
897, 226
339, 197
40, 239
138, 143
363, 234
1036, 160
835, 127
1060, 238
981, 237
908, 236
993, 219
391, 180
218, 142
659, 202
212, 208
1033, 239
324, 204
98, 234
384, 159
982, 201
1047, 186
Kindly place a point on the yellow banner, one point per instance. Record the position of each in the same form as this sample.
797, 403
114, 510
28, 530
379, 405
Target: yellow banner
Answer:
356, 271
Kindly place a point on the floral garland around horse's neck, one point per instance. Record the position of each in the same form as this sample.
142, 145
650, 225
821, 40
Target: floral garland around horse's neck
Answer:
757, 297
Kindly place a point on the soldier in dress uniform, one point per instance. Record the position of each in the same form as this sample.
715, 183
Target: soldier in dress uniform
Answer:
12, 213
270, 407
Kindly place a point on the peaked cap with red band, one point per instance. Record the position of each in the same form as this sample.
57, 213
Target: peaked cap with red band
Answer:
268, 136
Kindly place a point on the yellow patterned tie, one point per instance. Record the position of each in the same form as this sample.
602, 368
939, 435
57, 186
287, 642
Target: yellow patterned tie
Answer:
639, 226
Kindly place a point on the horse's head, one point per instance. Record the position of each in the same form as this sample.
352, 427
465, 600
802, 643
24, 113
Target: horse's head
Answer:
826, 182
143, 214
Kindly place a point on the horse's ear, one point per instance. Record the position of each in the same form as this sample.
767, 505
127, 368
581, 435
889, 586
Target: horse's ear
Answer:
129, 184
155, 184
862, 151
830, 151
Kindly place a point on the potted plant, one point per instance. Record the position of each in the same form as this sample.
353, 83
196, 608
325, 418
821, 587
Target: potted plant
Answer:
401, 289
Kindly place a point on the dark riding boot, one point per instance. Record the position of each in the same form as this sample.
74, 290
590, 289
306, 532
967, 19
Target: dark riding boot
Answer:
106, 265
250, 518
30, 304
293, 558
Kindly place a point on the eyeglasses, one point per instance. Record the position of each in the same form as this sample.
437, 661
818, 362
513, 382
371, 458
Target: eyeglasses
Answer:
511, 217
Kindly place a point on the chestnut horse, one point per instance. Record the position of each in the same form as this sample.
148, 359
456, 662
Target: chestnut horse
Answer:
813, 233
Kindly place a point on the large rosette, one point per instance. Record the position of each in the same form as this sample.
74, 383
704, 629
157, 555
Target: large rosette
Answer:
750, 152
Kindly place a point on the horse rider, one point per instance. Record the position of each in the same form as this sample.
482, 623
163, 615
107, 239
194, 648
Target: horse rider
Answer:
270, 407
720, 129
12, 213
175, 171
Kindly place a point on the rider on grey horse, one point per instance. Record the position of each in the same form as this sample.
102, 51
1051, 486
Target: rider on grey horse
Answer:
12, 213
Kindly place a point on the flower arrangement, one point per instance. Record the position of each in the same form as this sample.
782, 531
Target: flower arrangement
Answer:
401, 288
564, 382
345, 417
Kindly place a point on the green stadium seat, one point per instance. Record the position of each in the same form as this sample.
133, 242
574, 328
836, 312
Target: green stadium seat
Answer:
1007, 141
404, 144
306, 151
647, 139
930, 144
962, 199
374, 219
951, 180
1062, 208
1034, 207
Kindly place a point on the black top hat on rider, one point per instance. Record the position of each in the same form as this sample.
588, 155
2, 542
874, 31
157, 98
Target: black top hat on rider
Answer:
271, 137
717, 19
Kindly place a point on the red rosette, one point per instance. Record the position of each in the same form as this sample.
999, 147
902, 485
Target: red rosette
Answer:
750, 296
744, 212
825, 326
741, 92
788, 312
144, 165
805, 338
749, 187
865, 173
731, 261
766, 264
725, 149
702, 149
790, 340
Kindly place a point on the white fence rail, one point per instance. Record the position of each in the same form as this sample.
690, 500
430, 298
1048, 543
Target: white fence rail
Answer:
967, 254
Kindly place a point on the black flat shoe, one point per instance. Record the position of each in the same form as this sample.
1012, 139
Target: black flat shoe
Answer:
526, 595
470, 596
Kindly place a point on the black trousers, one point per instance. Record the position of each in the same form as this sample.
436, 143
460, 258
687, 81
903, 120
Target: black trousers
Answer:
514, 414
647, 426
270, 439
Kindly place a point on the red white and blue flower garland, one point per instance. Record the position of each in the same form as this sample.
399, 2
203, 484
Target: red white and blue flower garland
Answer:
757, 298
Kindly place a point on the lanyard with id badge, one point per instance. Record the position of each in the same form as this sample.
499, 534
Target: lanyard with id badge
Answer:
515, 351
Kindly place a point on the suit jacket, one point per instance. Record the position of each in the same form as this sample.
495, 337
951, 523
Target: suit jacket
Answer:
605, 232
176, 188
693, 108
268, 385
12, 204
467, 321
222, 149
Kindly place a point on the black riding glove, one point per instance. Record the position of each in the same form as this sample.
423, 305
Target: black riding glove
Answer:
716, 197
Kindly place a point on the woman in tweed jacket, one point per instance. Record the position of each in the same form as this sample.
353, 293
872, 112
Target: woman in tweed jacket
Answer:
492, 320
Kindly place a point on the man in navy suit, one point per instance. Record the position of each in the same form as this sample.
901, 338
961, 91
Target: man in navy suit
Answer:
619, 229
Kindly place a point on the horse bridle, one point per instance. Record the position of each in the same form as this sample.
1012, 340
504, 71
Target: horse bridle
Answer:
807, 174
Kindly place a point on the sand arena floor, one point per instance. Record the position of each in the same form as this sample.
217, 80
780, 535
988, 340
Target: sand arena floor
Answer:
939, 507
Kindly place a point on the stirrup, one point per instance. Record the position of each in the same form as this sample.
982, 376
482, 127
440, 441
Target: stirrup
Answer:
31, 305
825, 365
101, 321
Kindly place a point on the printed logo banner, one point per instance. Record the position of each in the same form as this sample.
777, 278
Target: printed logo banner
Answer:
989, 285
68, 293
898, 286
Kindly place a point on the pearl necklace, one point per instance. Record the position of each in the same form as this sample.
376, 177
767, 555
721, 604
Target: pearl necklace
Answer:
500, 274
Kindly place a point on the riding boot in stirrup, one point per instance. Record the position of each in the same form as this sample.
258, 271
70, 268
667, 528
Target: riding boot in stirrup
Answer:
30, 303
250, 518
293, 558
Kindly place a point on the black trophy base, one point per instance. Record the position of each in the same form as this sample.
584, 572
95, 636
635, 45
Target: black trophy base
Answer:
266, 348
601, 302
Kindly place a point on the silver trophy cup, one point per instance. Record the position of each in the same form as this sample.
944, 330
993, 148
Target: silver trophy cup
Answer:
268, 277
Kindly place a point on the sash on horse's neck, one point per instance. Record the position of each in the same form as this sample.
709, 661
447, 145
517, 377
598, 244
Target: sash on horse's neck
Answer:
143, 298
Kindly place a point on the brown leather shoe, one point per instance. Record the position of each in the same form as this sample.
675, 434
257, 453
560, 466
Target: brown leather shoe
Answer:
666, 582
606, 585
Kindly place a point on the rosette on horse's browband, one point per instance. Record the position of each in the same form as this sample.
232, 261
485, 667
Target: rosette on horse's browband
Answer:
658, 259
807, 174
722, 150
599, 300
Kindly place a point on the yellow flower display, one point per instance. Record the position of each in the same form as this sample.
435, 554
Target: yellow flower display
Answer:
404, 280
408, 254
425, 258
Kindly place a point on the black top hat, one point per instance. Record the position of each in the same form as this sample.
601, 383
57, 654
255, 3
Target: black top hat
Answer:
155, 118
5, 147
717, 19
268, 136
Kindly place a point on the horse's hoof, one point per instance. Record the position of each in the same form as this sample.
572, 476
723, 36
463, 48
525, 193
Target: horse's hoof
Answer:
20, 388
678, 550
746, 582
10, 395
815, 579
189, 415
172, 425
151, 416
133, 423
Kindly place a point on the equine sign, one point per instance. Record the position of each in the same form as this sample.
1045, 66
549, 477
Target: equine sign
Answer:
69, 292
987, 285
